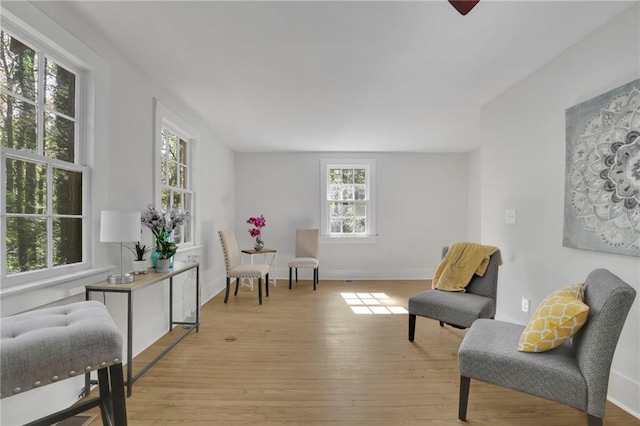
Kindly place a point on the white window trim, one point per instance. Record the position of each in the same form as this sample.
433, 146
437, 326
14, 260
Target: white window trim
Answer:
371, 237
67, 50
164, 117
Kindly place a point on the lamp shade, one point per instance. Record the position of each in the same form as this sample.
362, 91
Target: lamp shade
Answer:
119, 227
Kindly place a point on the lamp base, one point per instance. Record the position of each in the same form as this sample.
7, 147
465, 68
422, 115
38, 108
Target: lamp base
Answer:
120, 279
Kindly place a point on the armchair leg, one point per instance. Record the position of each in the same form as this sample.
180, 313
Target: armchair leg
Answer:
267, 285
226, 294
290, 274
412, 327
593, 420
441, 323
235, 293
296, 274
260, 290
464, 397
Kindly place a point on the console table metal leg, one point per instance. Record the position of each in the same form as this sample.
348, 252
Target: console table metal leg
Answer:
130, 343
197, 299
170, 303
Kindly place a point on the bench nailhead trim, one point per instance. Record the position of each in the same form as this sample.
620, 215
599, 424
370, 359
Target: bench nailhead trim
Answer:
38, 383
103, 364
116, 361
55, 378
17, 390
87, 368
72, 373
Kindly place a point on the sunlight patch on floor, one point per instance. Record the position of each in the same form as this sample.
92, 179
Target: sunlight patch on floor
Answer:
372, 303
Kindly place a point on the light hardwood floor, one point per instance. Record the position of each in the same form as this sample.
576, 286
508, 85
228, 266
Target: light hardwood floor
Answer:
304, 358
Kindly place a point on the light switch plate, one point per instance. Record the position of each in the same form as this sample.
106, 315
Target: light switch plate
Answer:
511, 217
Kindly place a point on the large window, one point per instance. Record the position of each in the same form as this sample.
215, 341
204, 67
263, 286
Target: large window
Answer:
44, 184
173, 150
348, 197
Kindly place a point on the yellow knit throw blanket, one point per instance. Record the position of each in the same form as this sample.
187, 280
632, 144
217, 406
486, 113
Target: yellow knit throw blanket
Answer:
459, 264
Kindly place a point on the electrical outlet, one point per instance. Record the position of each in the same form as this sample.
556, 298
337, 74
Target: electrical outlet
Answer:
511, 217
525, 305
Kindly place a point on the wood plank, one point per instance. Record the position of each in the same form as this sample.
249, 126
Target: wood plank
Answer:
304, 357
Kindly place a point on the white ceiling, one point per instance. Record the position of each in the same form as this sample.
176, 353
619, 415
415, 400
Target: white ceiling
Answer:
342, 75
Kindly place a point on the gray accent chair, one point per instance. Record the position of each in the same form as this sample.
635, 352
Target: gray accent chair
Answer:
459, 310
238, 270
307, 248
575, 374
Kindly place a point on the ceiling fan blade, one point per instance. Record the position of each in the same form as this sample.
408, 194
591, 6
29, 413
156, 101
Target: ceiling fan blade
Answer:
464, 6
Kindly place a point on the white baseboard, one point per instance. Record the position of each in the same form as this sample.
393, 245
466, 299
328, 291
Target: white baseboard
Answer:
625, 393
364, 274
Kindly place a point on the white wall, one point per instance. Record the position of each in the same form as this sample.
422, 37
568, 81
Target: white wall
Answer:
421, 206
523, 166
123, 176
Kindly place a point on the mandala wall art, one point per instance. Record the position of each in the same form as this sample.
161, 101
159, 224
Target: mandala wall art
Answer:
602, 185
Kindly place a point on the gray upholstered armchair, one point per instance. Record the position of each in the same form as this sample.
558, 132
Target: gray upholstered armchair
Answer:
459, 310
575, 374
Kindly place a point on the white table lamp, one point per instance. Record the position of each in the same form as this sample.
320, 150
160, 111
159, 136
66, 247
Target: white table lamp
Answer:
119, 227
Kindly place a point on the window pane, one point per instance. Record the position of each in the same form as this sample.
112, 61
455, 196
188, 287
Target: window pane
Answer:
347, 192
335, 176
348, 210
359, 176
177, 201
336, 225
347, 226
163, 171
67, 192
173, 173
18, 127
19, 67
187, 227
60, 89
183, 177
164, 135
172, 145
59, 137
26, 187
360, 226
164, 199
360, 209
183, 151
347, 175
335, 191
26, 244
359, 192
186, 235
67, 241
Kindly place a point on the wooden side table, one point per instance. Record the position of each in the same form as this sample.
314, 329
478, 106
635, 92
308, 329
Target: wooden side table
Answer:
271, 262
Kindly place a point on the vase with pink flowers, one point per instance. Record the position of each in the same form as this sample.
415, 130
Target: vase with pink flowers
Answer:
256, 232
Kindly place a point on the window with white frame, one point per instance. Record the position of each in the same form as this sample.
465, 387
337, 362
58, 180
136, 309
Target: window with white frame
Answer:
174, 164
44, 180
348, 198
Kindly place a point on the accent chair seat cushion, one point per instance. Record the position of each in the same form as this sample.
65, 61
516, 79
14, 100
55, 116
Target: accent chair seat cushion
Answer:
249, 270
460, 309
489, 353
304, 262
45, 346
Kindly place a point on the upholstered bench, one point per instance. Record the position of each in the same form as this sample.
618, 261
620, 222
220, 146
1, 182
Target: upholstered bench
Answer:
41, 347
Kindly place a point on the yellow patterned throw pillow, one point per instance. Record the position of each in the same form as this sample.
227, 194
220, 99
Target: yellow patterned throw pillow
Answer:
558, 317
